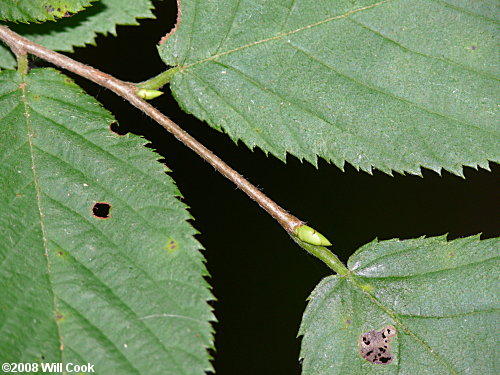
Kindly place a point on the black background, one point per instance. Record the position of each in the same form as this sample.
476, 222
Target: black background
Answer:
260, 278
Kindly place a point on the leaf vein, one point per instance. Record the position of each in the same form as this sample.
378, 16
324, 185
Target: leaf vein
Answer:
40, 211
116, 197
246, 120
233, 18
389, 94
282, 35
100, 333
426, 274
298, 140
126, 309
463, 10
87, 141
192, 30
398, 322
397, 43
156, 283
467, 313
316, 115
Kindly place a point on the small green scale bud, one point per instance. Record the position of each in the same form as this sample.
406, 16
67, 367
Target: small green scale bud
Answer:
148, 94
311, 236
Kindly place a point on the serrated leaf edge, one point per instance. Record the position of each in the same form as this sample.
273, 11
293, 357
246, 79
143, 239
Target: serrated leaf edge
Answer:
351, 277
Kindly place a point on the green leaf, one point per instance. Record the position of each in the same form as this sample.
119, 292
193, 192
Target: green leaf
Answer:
7, 59
82, 28
39, 10
393, 84
442, 297
126, 293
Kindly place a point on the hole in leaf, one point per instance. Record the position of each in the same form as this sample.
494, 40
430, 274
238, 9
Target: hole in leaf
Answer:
101, 210
117, 129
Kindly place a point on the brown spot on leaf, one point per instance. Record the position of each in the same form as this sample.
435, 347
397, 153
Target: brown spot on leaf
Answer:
374, 346
171, 245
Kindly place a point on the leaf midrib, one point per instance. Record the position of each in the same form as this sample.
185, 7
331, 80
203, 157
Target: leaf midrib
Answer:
281, 35
345, 15
32, 112
362, 83
22, 87
394, 316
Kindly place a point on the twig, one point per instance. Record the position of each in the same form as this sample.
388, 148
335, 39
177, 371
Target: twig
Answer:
128, 91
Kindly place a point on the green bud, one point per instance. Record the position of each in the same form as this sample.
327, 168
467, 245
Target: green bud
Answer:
311, 236
148, 94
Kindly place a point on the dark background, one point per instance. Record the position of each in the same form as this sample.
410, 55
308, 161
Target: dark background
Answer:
260, 277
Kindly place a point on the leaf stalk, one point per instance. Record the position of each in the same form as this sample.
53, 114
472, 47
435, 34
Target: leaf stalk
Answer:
159, 81
325, 255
